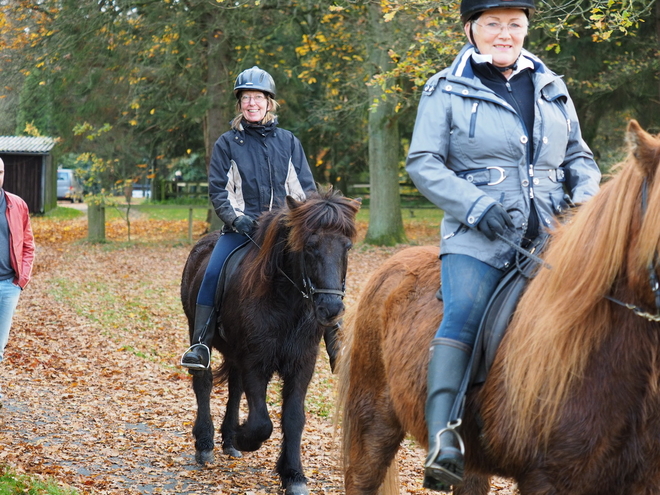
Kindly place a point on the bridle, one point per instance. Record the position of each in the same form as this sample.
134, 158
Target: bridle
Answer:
309, 290
653, 277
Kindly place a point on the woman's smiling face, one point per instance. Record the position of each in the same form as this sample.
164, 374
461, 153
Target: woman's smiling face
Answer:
254, 105
491, 34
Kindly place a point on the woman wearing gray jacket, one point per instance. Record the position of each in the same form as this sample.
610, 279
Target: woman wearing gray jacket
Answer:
496, 146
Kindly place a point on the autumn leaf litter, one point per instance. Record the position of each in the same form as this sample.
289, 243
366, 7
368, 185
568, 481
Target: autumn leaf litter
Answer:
93, 395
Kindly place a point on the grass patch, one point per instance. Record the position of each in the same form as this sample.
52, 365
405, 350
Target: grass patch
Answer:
14, 484
62, 213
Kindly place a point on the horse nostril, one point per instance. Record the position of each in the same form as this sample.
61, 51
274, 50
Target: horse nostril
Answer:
330, 309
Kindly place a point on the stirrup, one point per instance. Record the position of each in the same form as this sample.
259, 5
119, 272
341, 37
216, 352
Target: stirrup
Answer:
451, 428
196, 366
441, 476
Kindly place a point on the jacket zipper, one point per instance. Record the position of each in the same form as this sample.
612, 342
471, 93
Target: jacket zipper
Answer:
473, 118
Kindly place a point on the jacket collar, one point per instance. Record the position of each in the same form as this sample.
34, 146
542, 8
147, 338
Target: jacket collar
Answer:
260, 128
461, 71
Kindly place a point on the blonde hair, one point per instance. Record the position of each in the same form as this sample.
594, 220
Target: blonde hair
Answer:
270, 114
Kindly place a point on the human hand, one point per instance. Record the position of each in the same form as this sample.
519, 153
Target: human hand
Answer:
244, 224
495, 221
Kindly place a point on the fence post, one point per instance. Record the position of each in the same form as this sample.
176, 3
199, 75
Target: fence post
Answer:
96, 222
190, 225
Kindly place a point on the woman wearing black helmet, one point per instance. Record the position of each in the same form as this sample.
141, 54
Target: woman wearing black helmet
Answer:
496, 146
254, 166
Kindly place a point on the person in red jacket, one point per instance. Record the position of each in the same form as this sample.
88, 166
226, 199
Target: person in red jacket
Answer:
16, 256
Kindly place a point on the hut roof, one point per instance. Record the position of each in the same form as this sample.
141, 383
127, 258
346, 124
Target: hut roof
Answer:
26, 144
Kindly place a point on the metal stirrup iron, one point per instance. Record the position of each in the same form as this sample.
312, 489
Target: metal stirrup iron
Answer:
196, 366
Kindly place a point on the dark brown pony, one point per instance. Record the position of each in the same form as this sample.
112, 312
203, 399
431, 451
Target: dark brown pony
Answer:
572, 403
286, 289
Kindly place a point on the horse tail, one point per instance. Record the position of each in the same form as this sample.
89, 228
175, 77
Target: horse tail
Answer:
221, 374
391, 483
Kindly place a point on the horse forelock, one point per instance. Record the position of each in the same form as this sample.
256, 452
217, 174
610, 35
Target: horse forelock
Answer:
290, 228
325, 212
564, 308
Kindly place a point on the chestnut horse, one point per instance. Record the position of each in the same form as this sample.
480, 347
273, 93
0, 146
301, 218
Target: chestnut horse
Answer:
572, 402
287, 288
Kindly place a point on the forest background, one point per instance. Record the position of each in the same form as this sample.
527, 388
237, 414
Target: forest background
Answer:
137, 89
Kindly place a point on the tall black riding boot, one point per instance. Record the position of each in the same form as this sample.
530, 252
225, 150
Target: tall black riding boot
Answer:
198, 355
444, 463
332, 343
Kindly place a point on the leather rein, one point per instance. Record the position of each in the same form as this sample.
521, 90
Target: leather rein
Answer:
654, 281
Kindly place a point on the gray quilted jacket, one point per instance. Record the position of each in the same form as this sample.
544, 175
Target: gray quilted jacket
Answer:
469, 150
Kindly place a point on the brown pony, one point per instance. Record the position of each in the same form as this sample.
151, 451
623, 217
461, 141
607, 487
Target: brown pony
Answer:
572, 403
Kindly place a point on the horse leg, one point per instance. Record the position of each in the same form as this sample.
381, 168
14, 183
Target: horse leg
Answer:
473, 484
230, 421
373, 441
203, 429
289, 464
258, 427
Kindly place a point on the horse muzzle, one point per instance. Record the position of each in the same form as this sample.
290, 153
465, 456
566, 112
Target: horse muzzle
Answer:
328, 308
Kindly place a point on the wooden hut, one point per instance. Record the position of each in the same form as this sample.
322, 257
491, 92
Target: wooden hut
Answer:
29, 170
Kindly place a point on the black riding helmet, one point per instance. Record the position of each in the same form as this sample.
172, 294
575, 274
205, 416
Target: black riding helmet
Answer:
254, 79
469, 8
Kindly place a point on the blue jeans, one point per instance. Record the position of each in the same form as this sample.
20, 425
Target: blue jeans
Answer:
467, 285
227, 242
9, 294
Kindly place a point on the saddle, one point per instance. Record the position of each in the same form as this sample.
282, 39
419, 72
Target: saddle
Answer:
228, 268
496, 319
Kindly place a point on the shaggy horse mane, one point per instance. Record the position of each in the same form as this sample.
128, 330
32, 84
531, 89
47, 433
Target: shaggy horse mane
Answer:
605, 248
289, 228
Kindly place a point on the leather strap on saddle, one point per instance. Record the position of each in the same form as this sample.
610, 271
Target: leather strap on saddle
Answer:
496, 319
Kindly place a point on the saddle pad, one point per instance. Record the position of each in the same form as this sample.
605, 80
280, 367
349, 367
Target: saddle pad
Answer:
229, 267
500, 310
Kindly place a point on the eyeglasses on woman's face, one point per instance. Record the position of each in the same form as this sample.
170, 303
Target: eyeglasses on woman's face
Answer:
256, 98
513, 28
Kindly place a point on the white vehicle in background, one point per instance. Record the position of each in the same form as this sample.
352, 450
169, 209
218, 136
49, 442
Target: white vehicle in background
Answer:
68, 186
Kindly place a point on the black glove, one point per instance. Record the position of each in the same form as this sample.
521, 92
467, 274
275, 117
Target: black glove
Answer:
495, 221
244, 224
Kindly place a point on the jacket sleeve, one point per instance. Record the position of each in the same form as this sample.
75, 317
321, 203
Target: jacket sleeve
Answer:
223, 182
582, 173
303, 174
427, 162
28, 251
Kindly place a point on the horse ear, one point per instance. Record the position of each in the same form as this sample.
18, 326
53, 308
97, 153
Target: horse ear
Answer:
292, 202
644, 147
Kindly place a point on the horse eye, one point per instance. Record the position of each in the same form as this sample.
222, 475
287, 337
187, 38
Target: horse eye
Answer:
313, 242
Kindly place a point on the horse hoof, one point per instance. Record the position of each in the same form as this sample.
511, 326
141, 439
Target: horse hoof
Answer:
232, 452
297, 488
204, 457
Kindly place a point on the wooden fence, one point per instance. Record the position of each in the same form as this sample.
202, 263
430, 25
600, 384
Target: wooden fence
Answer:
96, 218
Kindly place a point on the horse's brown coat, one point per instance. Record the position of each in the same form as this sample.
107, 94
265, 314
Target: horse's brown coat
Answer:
572, 403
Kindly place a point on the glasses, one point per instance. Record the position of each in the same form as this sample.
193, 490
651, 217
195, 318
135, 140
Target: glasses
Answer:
256, 98
496, 28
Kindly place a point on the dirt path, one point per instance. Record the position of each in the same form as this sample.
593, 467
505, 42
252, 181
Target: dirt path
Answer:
97, 401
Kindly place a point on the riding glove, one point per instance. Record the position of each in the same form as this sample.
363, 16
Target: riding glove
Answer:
495, 221
244, 224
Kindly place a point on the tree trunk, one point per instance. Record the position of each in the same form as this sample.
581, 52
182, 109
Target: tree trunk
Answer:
218, 89
385, 221
95, 223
